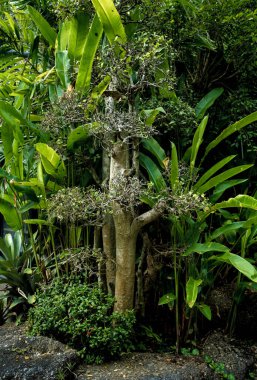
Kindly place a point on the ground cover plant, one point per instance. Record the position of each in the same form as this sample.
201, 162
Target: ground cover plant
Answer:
127, 159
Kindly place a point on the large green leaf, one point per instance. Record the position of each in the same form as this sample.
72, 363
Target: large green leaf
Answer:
202, 248
230, 130
154, 147
151, 115
225, 229
45, 29
110, 20
62, 66
72, 35
153, 172
222, 187
238, 262
197, 140
10, 214
14, 119
51, 161
78, 136
192, 287
174, 178
168, 298
209, 173
86, 63
207, 101
241, 201
205, 310
222, 178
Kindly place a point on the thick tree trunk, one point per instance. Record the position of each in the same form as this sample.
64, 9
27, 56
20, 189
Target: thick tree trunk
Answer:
125, 261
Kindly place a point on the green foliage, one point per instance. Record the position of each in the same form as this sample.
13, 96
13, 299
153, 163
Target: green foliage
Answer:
81, 316
219, 368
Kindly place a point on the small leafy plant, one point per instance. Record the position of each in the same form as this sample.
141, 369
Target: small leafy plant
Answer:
81, 316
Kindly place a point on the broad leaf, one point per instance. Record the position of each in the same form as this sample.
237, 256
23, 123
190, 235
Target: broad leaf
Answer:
62, 66
202, 248
11, 215
238, 262
241, 201
225, 229
151, 115
166, 299
205, 310
207, 101
110, 20
51, 161
78, 136
192, 287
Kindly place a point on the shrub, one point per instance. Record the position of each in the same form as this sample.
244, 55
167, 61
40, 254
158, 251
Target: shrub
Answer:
81, 316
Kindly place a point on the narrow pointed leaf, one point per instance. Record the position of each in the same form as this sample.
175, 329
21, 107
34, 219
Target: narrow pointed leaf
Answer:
153, 172
154, 147
222, 178
197, 140
174, 178
45, 29
212, 171
86, 63
207, 101
192, 287
230, 130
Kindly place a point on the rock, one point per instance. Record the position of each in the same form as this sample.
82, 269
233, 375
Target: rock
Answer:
149, 366
236, 357
37, 358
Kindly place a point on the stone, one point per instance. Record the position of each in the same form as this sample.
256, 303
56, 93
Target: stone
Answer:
26, 358
236, 357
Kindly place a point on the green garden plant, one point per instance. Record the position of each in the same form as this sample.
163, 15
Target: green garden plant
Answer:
188, 211
81, 315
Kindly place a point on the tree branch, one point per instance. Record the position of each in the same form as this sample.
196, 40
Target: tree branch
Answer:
148, 217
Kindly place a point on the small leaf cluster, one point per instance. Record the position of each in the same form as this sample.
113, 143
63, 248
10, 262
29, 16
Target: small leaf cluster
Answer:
73, 205
81, 316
